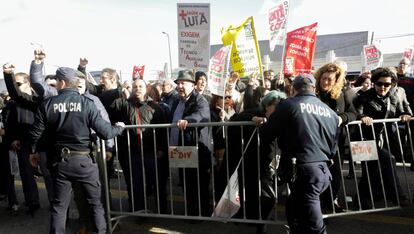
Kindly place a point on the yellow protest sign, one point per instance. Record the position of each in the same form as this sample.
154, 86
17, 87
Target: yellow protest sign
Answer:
245, 53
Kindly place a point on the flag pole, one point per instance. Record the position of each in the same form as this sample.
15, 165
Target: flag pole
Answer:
225, 82
282, 75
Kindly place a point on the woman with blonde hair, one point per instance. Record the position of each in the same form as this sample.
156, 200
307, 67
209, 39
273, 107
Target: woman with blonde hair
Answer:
330, 80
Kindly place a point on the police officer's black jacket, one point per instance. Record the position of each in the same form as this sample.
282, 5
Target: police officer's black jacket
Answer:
344, 108
306, 129
68, 118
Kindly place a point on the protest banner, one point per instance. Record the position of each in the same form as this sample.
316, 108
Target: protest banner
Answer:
278, 17
372, 57
408, 53
138, 72
300, 48
364, 151
229, 202
245, 52
193, 35
183, 156
217, 71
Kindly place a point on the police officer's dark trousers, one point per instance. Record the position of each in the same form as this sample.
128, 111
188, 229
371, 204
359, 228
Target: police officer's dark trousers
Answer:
303, 209
83, 170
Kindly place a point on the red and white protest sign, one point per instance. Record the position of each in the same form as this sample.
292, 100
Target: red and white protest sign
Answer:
277, 24
372, 57
218, 69
364, 151
138, 72
300, 48
408, 53
229, 202
183, 156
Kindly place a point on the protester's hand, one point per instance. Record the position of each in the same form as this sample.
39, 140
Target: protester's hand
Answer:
34, 159
127, 84
15, 145
8, 68
367, 120
108, 155
125, 93
279, 80
259, 120
219, 155
120, 124
222, 113
83, 62
405, 118
182, 124
39, 55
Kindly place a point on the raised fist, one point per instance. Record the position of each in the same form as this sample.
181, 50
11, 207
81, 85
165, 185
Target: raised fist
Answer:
83, 62
39, 55
8, 68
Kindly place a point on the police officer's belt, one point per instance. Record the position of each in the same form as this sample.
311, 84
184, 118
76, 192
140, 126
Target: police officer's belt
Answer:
66, 153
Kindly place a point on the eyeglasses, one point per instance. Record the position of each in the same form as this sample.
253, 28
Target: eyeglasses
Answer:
20, 84
403, 64
226, 97
386, 84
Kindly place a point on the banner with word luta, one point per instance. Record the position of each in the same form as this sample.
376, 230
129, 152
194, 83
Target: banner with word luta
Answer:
193, 35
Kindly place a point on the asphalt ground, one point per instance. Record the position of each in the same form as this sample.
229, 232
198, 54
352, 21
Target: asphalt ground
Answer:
400, 220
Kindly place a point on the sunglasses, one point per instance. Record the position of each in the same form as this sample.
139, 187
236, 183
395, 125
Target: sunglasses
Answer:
19, 84
386, 85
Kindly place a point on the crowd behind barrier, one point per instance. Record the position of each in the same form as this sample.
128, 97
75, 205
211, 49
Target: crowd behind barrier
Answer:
378, 184
151, 169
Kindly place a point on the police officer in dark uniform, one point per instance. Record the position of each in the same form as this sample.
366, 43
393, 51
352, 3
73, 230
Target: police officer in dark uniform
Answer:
306, 130
67, 119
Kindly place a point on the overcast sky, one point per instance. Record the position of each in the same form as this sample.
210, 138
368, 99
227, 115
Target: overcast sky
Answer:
123, 33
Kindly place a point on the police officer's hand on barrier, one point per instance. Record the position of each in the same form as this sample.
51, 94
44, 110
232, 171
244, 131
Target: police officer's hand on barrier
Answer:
34, 159
120, 124
8, 68
39, 55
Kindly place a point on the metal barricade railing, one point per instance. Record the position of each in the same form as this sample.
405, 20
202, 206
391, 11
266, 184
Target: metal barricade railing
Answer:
141, 169
375, 181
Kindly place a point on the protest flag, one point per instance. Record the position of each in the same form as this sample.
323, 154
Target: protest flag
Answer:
300, 49
138, 72
245, 52
278, 17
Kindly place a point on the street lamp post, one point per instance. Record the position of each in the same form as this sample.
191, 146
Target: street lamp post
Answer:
169, 52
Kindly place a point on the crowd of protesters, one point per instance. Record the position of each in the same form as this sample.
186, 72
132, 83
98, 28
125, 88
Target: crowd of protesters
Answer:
379, 94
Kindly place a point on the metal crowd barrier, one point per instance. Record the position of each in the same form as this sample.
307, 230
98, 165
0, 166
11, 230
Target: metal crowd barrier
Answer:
245, 194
